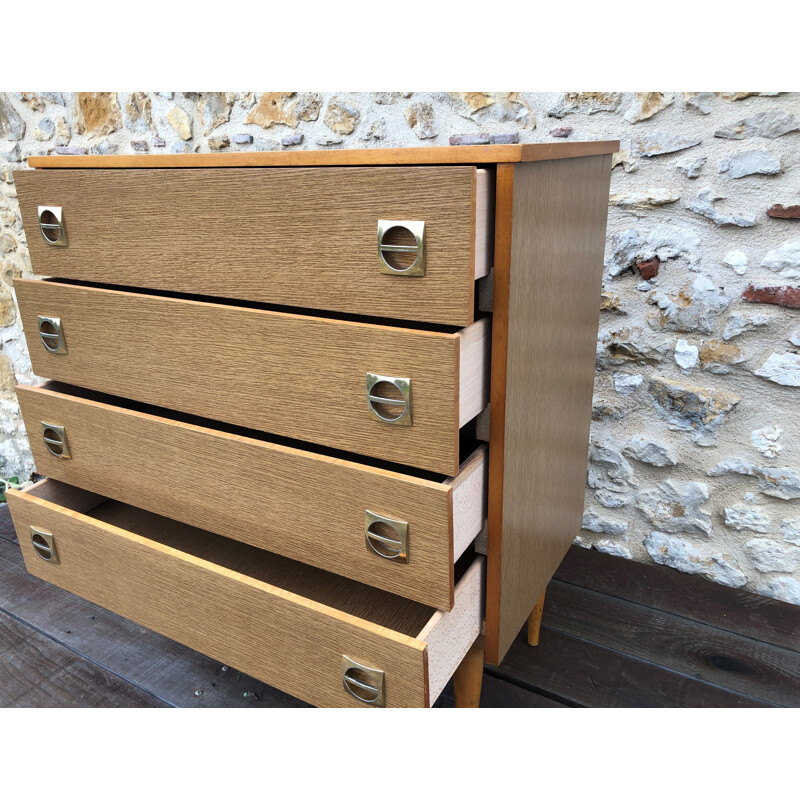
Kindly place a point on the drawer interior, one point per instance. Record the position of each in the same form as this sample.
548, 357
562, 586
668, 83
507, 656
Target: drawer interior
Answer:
342, 594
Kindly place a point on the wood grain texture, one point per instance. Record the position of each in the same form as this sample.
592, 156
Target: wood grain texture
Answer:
280, 621
721, 658
263, 629
292, 375
535, 621
35, 672
293, 502
176, 675
552, 295
468, 678
690, 596
586, 674
480, 154
303, 237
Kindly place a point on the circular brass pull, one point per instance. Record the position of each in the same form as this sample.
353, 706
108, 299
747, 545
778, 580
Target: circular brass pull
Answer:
387, 537
55, 440
389, 399
401, 247
44, 545
364, 683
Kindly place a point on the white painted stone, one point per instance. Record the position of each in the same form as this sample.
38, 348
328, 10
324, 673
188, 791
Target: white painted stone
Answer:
768, 124
624, 250
694, 308
686, 355
782, 482
671, 241
751, 497
657, 143
612, 548
737, 261
676, 507
750, 162
768, 555
782, 368
699, 100
741, 321
767, 440
691, 167
741, 517
608, 468
704, 206
625, 383
686, 556
611, 499
790, 528
794, 338
786, 589
581, 542
785, 260
649, 452
645, 199
593, 522
626, 346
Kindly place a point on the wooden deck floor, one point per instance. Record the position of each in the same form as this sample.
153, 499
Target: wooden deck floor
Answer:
615, 634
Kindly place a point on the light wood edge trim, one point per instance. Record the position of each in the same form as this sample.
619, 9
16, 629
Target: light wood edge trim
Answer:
473, 369
43, 388
482, 213
471, 154
504, 206
221, 304
450, 634
468, 500
33, 498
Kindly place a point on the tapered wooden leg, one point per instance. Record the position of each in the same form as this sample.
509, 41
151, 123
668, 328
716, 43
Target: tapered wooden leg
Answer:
535, 621
468, 678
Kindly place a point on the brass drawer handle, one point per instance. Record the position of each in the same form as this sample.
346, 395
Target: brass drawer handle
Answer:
55, 440
51, 224
44, 545
363, 683
398, 241
52, 334
389, 399
387, 537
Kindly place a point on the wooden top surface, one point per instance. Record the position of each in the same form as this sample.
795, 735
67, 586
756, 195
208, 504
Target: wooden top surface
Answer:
470, 154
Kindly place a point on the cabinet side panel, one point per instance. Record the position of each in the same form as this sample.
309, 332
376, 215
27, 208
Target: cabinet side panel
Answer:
557, 242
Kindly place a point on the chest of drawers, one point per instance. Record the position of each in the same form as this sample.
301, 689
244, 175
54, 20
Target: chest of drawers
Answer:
322, 416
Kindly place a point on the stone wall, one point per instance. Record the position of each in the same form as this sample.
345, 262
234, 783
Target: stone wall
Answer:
695, 454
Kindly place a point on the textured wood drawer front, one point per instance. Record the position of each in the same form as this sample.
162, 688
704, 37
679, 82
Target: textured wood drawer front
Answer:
308, 507
296, 376
298, 237
275, 619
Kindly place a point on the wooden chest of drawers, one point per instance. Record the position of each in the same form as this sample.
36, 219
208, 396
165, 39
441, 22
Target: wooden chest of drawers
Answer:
278, 426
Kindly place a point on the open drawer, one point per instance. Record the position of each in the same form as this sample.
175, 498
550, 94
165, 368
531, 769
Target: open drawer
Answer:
322, 638
399, 394
327, 510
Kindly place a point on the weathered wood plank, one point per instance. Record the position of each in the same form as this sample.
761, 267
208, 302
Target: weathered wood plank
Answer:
689, 596
35, 672
158, 665
589, 675
498, 693
699, 651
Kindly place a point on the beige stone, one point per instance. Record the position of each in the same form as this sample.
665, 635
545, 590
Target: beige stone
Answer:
275, 108
714, 351
8, 311
32, 100
63, 132
422, 120
8, 244
97, 113
214, 109
309, 104
218, 142
180, 122
340, 117
247, 100
493, 107
138, 112
647, 104
7, 378
612, 302
12, 126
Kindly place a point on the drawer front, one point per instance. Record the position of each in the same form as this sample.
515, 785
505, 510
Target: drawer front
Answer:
308, 507
299, 237
295, 376
287, 624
